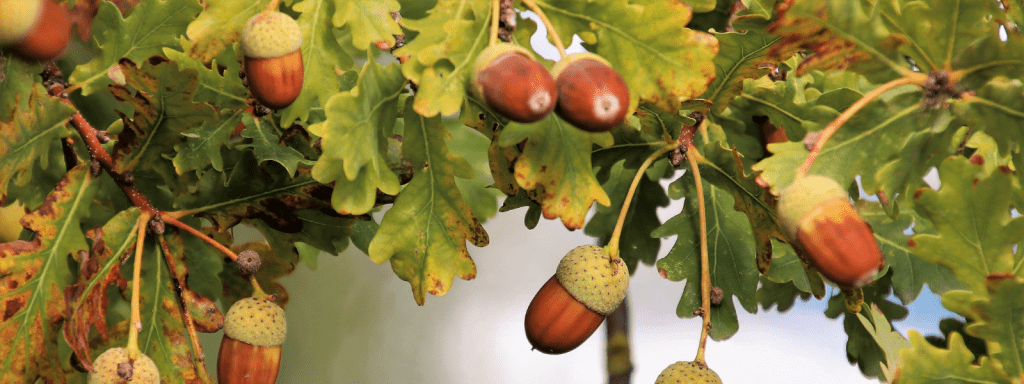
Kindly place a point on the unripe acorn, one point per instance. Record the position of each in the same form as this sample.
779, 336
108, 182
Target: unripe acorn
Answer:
688, 372
271, 43
250, 352
587, 286
817, 214
36, 30
114, 367
591, 95
513, 84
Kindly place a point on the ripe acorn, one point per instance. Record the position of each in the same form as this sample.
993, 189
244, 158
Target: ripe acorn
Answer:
513, 84
250, 352
817, 214
271, 43
36, 30
591, 95
688, 372
114, 367
586, 287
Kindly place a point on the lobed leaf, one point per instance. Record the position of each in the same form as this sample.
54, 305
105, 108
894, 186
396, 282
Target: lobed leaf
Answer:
924, 363
37, 122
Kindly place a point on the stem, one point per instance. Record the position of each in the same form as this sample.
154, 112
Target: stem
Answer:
613, 244
135, 324
547, 24
495, 13
617, 351
256, 290
220, 247
846, 115
705, 275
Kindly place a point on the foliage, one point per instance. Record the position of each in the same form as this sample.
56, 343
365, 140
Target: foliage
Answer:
371, 153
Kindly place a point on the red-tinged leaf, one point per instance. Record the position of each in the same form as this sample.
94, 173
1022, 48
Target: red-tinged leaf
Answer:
87, 300
28, 138
32, 277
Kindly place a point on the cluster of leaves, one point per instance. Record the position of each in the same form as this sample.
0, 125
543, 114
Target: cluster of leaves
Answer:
308, 177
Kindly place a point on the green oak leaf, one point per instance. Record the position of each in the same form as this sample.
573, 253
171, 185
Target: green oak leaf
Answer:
202, 145
924, 363
354, 139
556, 165
225, 91
997, 109
649, 45
424, 234
999, 320
890, 341
151, 26
730, 255
787, 267
861, 347
34, 273
219, 26
323, 58
17, 78
38, 121
974, 233
741, 56
472, 146
265, 144
370, 21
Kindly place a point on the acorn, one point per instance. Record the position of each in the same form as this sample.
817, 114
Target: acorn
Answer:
591, 95
688, 372
114, 367
587, 286
35, 30
817, 214
271, 43
250, 352
513, 84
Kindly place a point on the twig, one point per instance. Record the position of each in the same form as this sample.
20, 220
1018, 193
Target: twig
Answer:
617, 338
495, 14
135, 323
705, 275
613, 244
216, 244
547, 24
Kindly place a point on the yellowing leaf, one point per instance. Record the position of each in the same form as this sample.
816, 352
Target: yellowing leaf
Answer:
220, 25
424, 234
27, 139
924, 364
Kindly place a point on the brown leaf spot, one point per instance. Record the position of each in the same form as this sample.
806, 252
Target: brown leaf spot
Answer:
663, 273
1004, 169
918, 192
12, 306
978, 159
911, 243
975, 181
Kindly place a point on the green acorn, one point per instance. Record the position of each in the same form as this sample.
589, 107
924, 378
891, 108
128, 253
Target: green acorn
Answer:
114, 367
688, 372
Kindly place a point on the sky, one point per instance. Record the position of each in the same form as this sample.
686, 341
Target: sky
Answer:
352, 321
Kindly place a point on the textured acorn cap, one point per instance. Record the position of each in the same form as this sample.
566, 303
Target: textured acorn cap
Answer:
688, 372
143, 370
17, 17
802, 196
590, 276
270, 34
256, 321
569, 59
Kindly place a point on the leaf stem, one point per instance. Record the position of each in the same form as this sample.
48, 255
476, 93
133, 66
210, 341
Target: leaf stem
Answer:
547, 24
613, 244
846, 115
495, 14
705, 275
220, 247
135, 322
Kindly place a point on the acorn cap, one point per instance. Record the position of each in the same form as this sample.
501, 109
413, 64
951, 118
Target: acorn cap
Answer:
590, 276
143, 370
270, 34
256, 321
17, 18
569, 59
802, 196
688, 372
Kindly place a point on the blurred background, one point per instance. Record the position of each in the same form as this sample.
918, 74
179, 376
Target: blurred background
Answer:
353, 321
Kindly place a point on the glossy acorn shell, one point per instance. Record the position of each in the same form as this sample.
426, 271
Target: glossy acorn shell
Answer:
276, 81
243, 363
513, 84
49, 36
556, 322
591, 95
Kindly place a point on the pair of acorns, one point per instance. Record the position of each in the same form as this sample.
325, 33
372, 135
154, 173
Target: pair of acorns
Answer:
582, 88
250, 351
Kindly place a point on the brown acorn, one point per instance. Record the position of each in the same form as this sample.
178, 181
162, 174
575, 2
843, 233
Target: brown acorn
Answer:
35, 30
250, 352
513, 84
817, 214
587, 286
591, 95
113, 366
271, 43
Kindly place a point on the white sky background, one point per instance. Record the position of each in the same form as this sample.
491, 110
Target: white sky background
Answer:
353, 321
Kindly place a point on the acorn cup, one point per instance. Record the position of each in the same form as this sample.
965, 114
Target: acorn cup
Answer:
586, 287
35, 30
271, 43
688, 372
513, 84
114, 367
250, 352
591, 95
817, 214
